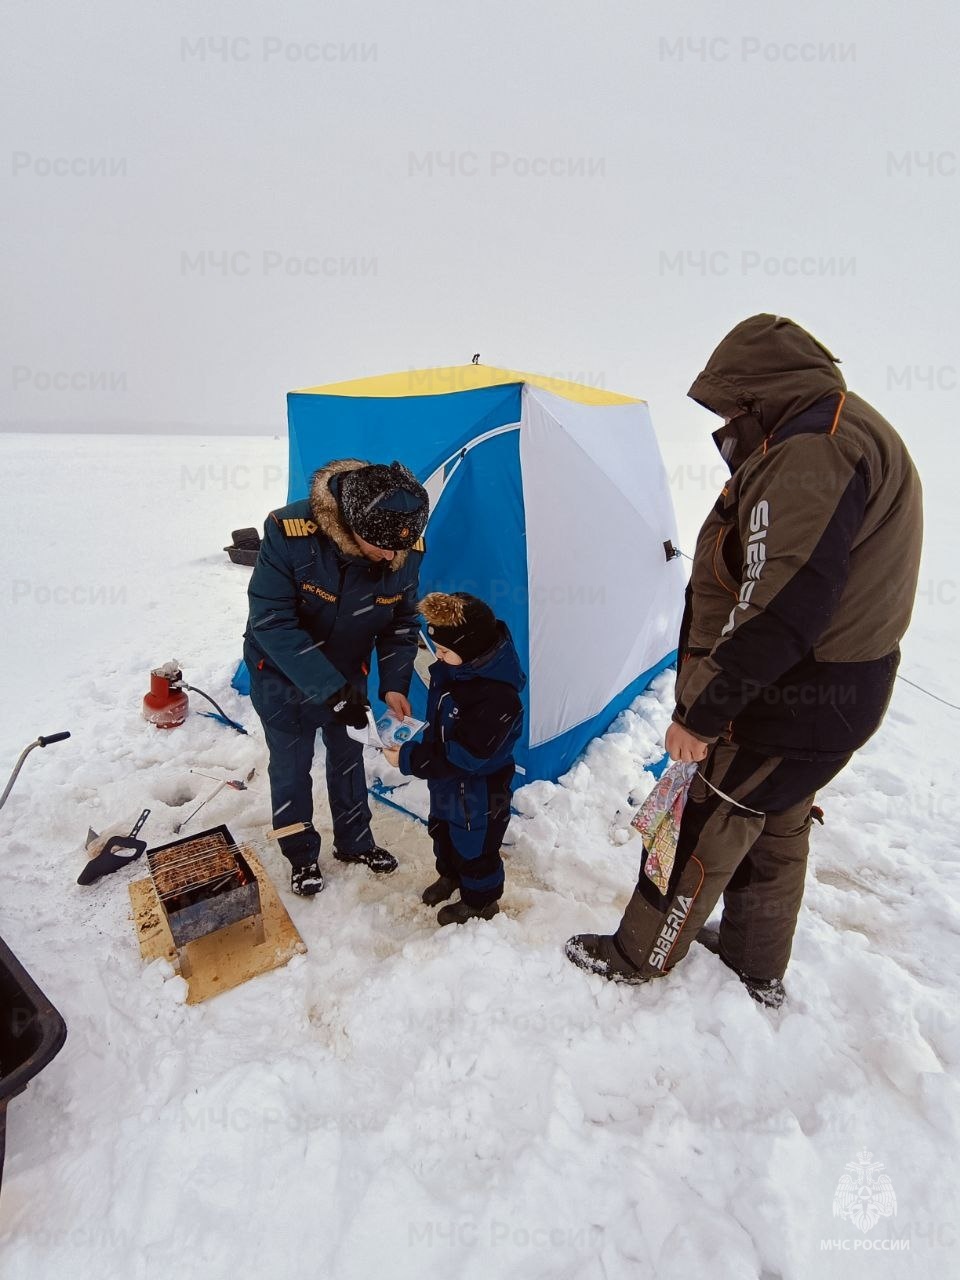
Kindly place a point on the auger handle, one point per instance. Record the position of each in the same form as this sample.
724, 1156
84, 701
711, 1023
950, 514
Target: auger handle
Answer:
40, 742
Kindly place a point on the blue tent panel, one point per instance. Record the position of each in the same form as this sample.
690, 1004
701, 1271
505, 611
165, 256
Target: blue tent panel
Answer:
484, 553
420, 431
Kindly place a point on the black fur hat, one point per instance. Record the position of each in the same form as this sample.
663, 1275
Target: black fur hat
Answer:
386, 505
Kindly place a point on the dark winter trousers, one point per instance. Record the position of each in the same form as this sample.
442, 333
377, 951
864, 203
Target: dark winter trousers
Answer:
756, 860
471, 855
290, 723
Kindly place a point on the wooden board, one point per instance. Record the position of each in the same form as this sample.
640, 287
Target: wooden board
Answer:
224, 959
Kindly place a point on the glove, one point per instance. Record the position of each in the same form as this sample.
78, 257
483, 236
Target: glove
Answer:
349, 706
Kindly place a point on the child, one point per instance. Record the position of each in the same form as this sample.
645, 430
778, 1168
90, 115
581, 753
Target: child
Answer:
474, 718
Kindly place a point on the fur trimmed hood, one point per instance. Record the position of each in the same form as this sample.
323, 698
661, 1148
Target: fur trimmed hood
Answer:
325, 512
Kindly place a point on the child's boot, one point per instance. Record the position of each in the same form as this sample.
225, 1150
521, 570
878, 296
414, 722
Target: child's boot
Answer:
460, 912
442, 889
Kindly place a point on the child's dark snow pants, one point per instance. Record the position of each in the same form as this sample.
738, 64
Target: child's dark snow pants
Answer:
468, 820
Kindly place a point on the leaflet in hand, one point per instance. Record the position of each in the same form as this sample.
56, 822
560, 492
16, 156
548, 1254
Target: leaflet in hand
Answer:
388, 731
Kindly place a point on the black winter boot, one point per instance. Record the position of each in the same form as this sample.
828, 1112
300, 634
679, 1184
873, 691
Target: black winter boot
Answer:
770, 992
460, 912
376, 859
306, 880
597, 953
709, 937
441, 889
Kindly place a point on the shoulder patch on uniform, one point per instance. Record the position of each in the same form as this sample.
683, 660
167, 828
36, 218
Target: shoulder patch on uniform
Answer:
419, 545
299, 528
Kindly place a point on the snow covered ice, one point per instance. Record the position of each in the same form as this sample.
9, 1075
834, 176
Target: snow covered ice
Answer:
416, 1102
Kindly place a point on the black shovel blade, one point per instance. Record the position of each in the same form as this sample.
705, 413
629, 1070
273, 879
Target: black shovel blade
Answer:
109, 859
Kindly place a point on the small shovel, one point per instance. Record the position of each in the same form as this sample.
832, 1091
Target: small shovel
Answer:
117, 852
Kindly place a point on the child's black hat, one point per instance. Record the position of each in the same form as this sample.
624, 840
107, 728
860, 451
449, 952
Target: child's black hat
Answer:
460, 622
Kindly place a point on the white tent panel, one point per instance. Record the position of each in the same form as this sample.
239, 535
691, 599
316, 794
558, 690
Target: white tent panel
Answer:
604, 602
621, 441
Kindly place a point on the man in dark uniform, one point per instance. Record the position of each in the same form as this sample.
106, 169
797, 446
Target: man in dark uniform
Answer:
337, 576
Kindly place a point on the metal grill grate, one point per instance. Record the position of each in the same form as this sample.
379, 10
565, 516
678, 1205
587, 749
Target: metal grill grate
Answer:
199, 863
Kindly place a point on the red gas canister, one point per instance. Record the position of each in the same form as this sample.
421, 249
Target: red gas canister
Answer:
165, 706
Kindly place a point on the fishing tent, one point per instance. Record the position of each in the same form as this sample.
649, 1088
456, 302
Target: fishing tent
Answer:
550, 501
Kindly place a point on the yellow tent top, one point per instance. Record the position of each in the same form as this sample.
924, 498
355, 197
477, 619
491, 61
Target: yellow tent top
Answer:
462, 377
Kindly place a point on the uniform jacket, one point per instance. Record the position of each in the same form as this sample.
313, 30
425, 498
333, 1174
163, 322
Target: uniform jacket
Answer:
474, 719
806, 569
318, 606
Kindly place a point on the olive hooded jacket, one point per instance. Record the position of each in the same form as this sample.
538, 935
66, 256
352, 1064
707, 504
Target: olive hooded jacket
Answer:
806, 569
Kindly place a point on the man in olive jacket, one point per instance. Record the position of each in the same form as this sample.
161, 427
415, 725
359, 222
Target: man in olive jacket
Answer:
802, 586
337, 577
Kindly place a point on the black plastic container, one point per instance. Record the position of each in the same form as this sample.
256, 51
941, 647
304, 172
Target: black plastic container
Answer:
32, 1032
245, 547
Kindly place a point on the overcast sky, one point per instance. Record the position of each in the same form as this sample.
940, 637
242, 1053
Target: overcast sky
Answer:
207, 204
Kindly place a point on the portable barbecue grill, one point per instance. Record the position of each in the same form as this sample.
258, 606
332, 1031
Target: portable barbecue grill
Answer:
203, 883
